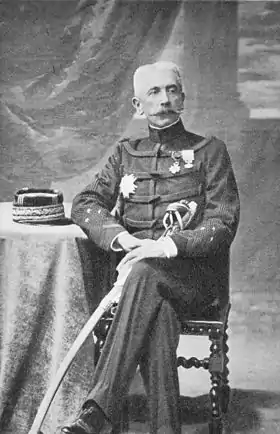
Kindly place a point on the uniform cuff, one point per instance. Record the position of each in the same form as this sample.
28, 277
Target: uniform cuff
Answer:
115, 245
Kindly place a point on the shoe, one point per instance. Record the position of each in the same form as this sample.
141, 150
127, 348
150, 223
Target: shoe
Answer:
91, 420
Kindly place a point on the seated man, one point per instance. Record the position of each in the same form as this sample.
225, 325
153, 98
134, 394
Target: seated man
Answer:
180, 272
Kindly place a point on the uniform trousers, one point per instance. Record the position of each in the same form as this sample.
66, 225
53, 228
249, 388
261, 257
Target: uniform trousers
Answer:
145, 331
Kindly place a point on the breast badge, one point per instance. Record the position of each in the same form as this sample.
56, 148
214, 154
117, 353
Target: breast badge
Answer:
127, 185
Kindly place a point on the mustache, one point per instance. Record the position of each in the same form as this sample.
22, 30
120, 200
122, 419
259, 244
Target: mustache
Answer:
169, 111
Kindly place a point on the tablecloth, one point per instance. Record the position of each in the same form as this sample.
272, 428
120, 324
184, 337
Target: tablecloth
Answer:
51, 280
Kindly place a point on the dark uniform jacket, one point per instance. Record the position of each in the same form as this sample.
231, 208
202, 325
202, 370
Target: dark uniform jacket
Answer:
209, 181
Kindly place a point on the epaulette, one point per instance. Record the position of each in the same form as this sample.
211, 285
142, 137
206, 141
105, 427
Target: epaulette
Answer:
202, 143
130, 144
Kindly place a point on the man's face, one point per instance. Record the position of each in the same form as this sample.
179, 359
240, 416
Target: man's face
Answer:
161, 98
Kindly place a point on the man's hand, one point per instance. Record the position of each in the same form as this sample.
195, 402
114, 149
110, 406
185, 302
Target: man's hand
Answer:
128, 242
147, 249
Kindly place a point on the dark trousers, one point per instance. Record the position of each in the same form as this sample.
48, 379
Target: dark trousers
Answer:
145, 332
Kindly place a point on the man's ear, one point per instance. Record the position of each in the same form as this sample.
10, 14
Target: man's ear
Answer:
182, 101
137, 105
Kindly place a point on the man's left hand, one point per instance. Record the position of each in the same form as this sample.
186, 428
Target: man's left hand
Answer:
148, 249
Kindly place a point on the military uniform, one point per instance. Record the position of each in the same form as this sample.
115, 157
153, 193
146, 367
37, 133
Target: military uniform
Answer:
146, 327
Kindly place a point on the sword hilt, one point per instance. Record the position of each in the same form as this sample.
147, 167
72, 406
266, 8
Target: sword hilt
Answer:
178, 215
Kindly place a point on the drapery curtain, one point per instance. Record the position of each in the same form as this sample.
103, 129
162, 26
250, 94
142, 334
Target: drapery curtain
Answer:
67, 79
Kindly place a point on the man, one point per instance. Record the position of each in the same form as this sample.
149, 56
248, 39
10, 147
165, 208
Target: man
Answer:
181, 272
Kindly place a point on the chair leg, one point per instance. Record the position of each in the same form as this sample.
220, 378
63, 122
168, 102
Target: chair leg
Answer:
216, 369
216, 426
216, 423
225, 388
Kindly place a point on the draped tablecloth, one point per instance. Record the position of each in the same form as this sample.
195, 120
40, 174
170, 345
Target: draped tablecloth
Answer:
51, 279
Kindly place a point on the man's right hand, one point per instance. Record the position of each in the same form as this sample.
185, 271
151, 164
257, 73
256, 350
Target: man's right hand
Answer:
128, 242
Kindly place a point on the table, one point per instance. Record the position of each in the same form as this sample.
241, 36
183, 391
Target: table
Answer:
51, 280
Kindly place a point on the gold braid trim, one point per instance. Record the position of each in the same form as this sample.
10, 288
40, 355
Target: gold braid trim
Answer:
38, 214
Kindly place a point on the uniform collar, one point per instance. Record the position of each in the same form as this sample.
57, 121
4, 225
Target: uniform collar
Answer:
165, 135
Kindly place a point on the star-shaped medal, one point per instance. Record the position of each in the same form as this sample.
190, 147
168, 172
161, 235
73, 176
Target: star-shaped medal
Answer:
175, 168
127, 185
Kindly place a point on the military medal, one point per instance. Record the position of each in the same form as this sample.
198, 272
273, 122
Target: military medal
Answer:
188, 157
175, 167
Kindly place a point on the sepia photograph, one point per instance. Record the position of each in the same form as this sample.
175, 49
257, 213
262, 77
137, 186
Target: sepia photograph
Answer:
139, 217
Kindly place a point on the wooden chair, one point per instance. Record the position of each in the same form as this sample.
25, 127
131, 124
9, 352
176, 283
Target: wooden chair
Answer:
213, 324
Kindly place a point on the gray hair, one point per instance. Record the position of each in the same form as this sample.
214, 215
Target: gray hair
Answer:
144, 70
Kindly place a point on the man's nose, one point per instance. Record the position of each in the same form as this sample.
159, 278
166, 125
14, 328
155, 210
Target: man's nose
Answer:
164, 98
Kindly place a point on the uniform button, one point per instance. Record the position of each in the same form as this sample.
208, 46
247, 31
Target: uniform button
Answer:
212, 238
88, 210
99, 211
213, 228
87, 220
